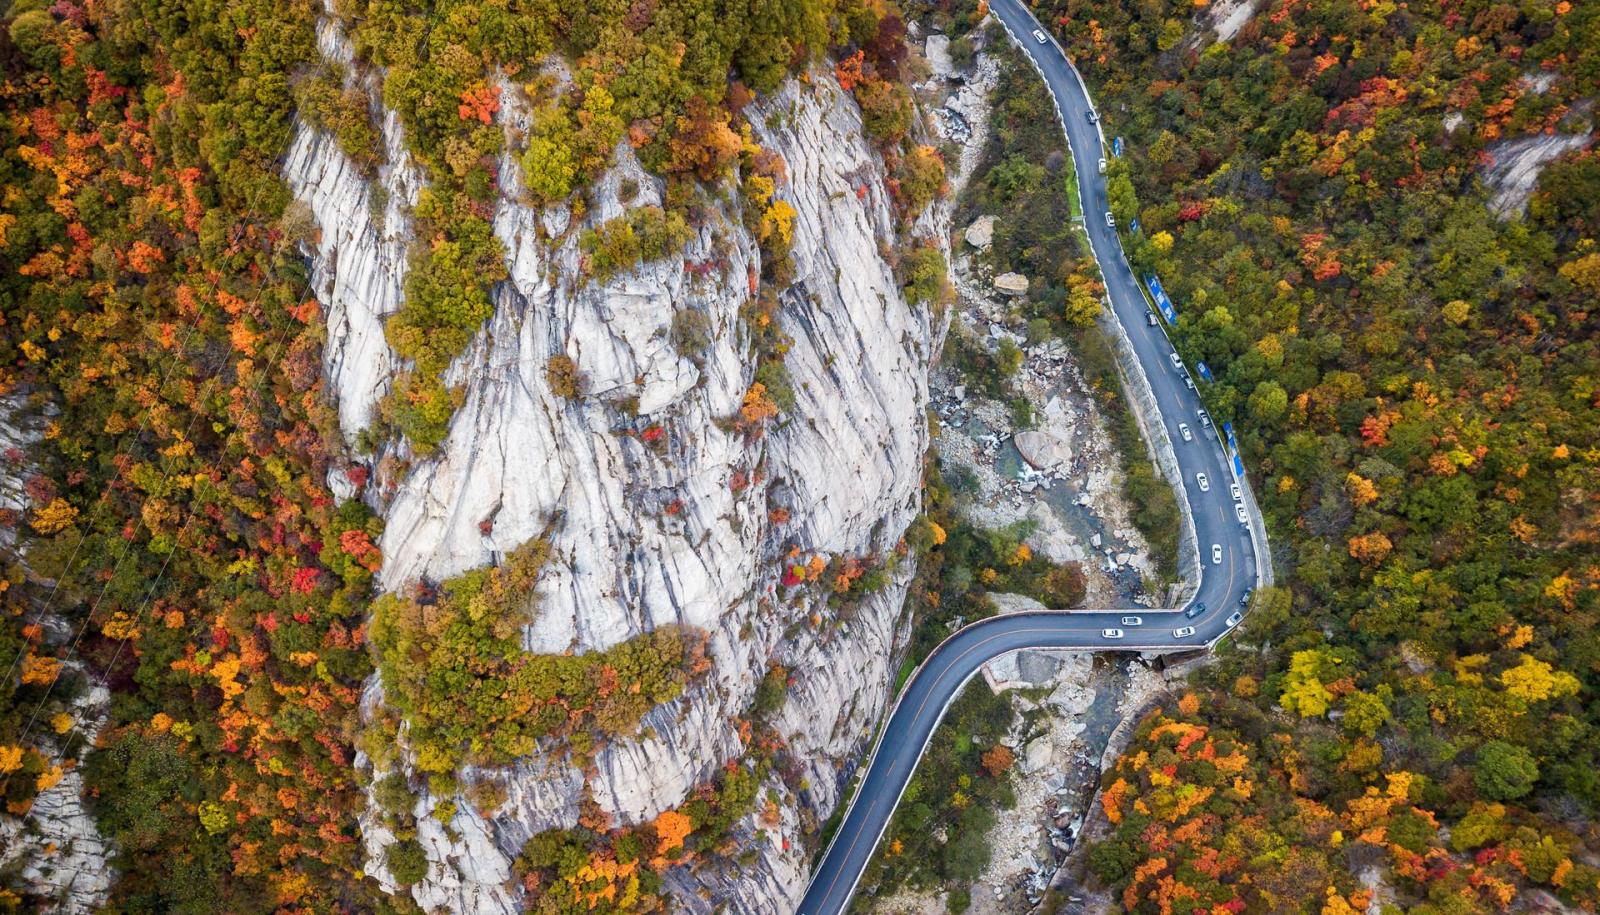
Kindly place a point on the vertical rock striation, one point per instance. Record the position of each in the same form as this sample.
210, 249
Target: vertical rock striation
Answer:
54, 849
359, 259
521, 461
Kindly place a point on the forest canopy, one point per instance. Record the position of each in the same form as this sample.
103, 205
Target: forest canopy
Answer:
162, 341
1411, 375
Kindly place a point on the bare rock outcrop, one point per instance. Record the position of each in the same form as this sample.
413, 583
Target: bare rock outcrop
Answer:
844, 463
54, 848
1515, 164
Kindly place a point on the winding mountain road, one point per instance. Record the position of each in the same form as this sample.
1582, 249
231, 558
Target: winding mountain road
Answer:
1223, 583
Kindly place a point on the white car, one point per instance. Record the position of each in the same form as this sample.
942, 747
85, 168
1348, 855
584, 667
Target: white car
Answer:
1111, 221
1183, 430
1111, 633
1234, 488
1094, 116
1177, 361
1204, 481
1183, 632
1133, 621
1150, 318
1205, 418
1102, 166
1039, 36
1188, 382
1216, 554
1238, 509
1234, 619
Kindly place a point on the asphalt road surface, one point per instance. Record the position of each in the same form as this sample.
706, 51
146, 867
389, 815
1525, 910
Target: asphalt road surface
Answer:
1222, 584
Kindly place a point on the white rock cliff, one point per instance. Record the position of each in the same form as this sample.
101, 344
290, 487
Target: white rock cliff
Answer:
54, 849
845, 463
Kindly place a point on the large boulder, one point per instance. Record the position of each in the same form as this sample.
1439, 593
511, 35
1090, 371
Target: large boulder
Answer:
981, 233
937, 53
1011, 284
1037, 755
1043, 451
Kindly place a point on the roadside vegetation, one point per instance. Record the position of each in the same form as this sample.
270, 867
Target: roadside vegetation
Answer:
1215, 809
938, 838
1023, 178
959, 564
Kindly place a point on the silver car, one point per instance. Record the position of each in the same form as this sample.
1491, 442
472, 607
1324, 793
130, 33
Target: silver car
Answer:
1204, 481
1238, 509
1183, 430
1133, 621
1234, 488
1111, 633
1183, 632
1234, 619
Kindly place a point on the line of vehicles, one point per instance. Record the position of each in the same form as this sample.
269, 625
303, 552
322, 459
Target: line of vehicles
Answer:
1184, 432
1182, 632
838, 874
1204, 482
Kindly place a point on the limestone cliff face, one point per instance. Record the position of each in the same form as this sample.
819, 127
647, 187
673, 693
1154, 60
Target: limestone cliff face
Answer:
358, 265
55, 849
519, 460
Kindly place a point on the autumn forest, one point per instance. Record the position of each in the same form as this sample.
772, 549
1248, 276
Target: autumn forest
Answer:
1407, 723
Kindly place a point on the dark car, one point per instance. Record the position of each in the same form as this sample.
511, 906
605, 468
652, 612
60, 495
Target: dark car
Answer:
1195, 611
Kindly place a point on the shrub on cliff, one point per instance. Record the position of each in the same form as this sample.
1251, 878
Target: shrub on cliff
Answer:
886, 110
926, 276
920, 179
562, 374
549, 167
691, 332
407, 861
324, 101
452, 663
641, 235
